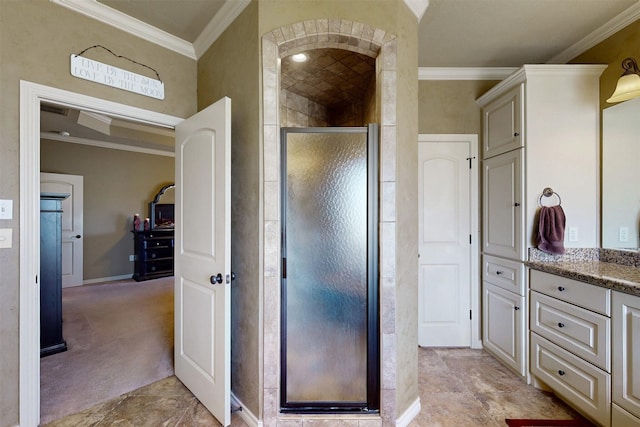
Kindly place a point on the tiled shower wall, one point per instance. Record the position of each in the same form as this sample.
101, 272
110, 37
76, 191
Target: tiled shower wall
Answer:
298, 111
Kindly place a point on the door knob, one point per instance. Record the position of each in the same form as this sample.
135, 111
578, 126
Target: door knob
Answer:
216, 279
77, 236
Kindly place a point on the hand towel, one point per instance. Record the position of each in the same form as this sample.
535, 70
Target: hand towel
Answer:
551, 230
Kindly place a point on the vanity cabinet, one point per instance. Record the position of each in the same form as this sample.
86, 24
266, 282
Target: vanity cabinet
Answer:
626, 360
540, 129
570, 343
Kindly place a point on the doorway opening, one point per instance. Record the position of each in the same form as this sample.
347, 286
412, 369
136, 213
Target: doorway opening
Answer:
330, 347
31, 97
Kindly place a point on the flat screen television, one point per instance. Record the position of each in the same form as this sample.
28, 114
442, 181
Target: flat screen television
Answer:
161, 215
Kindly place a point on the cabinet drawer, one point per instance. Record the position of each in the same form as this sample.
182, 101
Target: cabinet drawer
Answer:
580, 383
591, 297
582, 332
158, 243
507, 274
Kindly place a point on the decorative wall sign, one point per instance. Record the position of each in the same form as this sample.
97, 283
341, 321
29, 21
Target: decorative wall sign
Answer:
105, 74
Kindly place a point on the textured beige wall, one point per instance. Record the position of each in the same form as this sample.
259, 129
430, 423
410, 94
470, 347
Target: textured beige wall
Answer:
36, 40
450, 106
231, 68
117, 184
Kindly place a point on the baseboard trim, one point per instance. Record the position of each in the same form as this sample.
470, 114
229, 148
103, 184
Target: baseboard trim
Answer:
106, 279
245, 414
407, 416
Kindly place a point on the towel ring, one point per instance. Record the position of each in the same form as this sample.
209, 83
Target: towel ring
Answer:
548, 192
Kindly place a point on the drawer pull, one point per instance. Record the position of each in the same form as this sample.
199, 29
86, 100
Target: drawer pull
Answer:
561, 288
560, 325
498, 272
561, 372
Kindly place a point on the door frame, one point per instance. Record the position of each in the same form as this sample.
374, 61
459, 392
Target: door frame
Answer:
474, 204
31, 95
373, 283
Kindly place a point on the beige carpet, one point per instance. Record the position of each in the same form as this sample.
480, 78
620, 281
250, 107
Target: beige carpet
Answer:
119, 337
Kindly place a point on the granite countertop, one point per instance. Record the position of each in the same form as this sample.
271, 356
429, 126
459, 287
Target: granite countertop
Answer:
596, 270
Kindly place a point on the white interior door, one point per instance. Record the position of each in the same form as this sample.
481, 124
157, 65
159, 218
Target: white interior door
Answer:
72, 223
203, 257
445, 243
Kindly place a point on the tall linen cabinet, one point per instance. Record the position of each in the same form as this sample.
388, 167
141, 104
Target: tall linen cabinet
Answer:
540, 129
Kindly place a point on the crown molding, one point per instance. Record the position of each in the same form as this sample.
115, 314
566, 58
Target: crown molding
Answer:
628, 16
418, 7
464, 73
109, 16
220, 22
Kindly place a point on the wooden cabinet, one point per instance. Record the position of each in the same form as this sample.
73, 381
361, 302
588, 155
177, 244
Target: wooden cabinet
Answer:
626, 354
540, 129
621, 418
51, 339
571, 342
153, 254
545, 118
502, 121
503, 214
503, 326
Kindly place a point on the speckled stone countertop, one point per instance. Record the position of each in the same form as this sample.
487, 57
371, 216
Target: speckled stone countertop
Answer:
617, 270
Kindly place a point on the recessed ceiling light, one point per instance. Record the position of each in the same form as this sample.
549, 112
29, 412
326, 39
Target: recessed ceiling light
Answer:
300, 57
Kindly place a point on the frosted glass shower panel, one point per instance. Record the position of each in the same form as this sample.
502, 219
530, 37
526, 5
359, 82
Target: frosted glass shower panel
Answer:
326, 277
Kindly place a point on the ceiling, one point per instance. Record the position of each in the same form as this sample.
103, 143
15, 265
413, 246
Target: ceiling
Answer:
454, 35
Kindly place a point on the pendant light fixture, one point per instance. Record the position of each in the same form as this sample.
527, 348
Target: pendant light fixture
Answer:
628, 86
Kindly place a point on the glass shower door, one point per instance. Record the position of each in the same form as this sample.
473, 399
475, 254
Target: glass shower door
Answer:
329, 286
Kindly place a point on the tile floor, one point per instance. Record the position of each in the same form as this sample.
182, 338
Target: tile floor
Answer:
458, 388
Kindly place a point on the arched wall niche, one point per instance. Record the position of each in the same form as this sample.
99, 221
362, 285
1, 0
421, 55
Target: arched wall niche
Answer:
277, 44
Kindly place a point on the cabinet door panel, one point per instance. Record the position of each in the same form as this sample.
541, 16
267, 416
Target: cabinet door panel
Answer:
503, 123
503, 212
503, 326
626, 352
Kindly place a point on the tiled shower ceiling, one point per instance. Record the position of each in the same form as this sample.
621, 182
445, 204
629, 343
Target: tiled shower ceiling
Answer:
330, 77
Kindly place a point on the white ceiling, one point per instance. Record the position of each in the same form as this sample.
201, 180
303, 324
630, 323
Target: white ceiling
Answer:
452, 33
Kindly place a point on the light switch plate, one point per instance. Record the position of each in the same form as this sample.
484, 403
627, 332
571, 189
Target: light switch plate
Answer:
5, 237
6, 209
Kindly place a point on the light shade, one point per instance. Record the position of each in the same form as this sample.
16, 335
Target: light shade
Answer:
628, 86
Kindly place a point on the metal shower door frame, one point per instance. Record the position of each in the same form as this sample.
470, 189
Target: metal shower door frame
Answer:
372, 405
